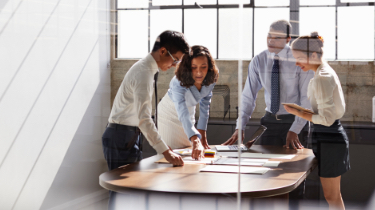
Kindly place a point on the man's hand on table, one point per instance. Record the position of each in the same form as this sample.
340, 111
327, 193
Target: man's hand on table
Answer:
173, 158
234, 138
198, 151
292, 139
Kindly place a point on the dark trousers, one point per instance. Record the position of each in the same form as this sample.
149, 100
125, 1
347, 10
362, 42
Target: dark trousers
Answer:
122, 145
277, 130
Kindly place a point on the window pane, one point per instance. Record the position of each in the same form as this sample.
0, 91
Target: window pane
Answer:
200, 32
201, 2
355, 33
271, 3
264, 17
354, 1
317, 2
310, 22
132, 35
132, 4
234, 1
161, 20
229, 30
166, 2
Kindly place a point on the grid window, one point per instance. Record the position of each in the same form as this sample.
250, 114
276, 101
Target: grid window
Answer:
166, 2
161, 20
356, 33
270, 3
234, 1
317, 2
132, 4
201, 28
310, 21
132, 35
228, 33
201, 2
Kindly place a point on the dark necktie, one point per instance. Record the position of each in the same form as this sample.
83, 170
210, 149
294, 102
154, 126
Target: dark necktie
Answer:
275, 86
156, 98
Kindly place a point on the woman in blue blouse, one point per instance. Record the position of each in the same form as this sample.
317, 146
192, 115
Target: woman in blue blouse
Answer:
194, 81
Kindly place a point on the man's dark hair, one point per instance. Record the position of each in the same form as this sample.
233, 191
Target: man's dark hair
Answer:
282, 25
184, 72
173, 41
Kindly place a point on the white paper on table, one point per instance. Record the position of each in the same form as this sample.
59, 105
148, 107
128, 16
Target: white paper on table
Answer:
230, 154
265, 156
272, 164
244, 162
234, 169
182, 152
203, 160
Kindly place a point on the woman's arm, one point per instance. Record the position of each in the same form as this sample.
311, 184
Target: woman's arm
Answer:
304, 115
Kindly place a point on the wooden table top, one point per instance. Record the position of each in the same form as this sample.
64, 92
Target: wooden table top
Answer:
150, 176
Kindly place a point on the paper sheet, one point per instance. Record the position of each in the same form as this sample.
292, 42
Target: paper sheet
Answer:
258, 155
234, 169
189, 160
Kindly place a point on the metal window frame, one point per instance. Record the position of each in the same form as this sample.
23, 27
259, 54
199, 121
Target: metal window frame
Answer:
218, 6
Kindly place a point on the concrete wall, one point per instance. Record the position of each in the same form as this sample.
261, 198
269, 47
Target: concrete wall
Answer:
54, 102
357, 79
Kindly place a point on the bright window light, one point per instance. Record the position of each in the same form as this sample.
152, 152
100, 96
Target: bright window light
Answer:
132, 4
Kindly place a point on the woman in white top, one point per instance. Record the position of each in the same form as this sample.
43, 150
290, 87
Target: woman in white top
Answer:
330, 142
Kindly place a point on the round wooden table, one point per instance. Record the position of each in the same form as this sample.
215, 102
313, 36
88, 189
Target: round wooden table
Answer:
146, 175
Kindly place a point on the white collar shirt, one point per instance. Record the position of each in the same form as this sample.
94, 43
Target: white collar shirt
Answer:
132, 104
326, 96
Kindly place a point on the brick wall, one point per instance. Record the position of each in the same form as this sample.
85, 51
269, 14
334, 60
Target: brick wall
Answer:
357, 79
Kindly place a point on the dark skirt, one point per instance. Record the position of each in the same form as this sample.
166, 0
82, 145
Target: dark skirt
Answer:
331, 148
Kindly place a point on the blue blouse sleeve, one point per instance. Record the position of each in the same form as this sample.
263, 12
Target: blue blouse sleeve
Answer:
204, 107
178, 98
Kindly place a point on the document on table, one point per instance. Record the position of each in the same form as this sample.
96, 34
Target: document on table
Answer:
246, 162
234, 169
190, 160
258, 155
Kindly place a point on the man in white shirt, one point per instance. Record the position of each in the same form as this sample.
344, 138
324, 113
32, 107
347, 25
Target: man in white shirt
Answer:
275, 70
131, 111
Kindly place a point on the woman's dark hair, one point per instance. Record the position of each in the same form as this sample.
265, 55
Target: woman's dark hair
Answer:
173, 41
309, 44
183, 70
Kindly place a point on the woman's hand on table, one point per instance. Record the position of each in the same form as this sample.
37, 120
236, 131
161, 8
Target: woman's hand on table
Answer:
204, 139
198, 151
173, 158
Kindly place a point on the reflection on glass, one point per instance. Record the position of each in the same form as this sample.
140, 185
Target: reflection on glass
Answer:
200, 2
317, 2
310, 21
200, 28
161, 20
132, 4
264, 17
228, 33
234, 1
166, 2
132, 35
355, 33
270, 3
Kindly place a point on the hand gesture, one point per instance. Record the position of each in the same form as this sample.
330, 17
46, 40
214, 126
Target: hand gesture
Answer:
198, 151
292, 139
173, 158
234, 138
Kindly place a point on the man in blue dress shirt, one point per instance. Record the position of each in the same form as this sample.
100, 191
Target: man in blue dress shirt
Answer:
274, 69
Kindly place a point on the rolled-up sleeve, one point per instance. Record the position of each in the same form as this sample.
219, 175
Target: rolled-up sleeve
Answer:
204, 107
304, 79
178, 98
143, 90
250, 92
324, 86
